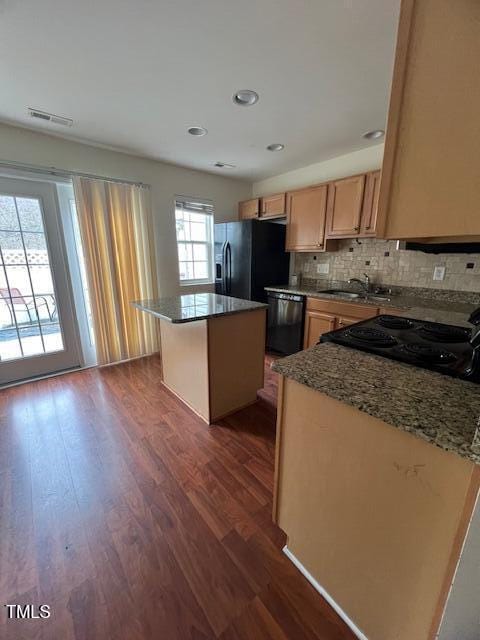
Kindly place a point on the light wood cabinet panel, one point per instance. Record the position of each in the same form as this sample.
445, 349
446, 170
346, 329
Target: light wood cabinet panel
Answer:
273, 206
345, 321
368, 223
322, 316
228, 372
344, 210
373, 513
317, 215
316, 323
306, 210
248, 209
347, 309
430, 176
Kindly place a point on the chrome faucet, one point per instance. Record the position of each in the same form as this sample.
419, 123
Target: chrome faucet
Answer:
365, 284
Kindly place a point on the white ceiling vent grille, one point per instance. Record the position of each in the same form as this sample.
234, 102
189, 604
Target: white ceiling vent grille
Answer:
50, 117
224, 165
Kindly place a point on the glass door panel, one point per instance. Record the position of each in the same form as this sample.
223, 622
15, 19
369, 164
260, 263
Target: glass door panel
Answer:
37, 326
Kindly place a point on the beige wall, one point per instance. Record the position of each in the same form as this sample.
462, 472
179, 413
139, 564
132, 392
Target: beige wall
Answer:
346, 165
25, 146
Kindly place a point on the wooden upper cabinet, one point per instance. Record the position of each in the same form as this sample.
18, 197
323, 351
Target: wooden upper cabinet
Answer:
306, 210
431, 167
368, 222
249, 209
344, 209
273, 206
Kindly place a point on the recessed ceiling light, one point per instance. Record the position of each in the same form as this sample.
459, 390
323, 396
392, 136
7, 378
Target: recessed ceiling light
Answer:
245, 97
276, 147
197, 131
224, 165
374, 135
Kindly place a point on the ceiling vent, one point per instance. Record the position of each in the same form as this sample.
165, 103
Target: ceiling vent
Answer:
50, 117
224, 165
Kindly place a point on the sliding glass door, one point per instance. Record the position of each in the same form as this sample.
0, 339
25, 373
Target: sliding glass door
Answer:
38, 331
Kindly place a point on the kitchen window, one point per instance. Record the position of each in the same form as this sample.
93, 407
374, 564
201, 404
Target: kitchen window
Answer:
194, 226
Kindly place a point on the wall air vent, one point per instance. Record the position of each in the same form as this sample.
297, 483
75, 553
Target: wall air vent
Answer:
50, 117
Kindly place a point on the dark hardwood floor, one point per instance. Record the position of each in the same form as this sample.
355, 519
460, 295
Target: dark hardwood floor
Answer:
134, 520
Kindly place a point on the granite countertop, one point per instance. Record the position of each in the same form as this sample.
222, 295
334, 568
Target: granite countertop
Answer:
439, 409
434, 305
196, 306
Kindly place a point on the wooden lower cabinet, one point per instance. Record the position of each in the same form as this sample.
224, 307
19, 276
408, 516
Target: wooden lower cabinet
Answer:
322, 316
316, 323
376, 515
345, 321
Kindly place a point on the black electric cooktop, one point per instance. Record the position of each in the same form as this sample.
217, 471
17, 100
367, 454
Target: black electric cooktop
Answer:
440, 347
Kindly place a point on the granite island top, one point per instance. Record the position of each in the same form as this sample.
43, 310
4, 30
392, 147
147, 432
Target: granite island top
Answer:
433, 305
196, 306
439, 409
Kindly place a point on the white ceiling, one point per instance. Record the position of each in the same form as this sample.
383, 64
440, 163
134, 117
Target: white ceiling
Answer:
134, 74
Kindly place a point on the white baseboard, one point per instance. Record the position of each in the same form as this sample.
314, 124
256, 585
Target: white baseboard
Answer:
324, 594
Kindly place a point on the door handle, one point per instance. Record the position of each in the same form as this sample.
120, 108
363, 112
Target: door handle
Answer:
224, 268
228, 268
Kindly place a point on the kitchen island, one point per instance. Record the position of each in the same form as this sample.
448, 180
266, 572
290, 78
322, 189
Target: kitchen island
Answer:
213, 350
377, 475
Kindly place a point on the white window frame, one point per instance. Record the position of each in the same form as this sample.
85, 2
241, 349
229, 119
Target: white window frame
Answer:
195, 205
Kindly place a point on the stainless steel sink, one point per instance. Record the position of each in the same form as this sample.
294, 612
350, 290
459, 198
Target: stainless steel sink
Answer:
339, 292
378, 298
352, 295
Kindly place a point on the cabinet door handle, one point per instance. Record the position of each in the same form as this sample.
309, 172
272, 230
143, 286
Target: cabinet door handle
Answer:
357, 228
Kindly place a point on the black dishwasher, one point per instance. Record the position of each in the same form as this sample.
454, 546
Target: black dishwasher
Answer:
286, 313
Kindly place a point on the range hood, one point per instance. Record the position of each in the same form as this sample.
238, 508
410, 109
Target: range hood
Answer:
446, 247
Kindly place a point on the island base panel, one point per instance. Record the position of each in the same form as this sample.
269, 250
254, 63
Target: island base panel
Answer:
215, 366
185, 363
236, 348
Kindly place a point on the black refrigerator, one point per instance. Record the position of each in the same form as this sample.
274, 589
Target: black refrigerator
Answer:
249, 255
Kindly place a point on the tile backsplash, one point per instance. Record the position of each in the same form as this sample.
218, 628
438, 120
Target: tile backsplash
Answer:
381, 260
